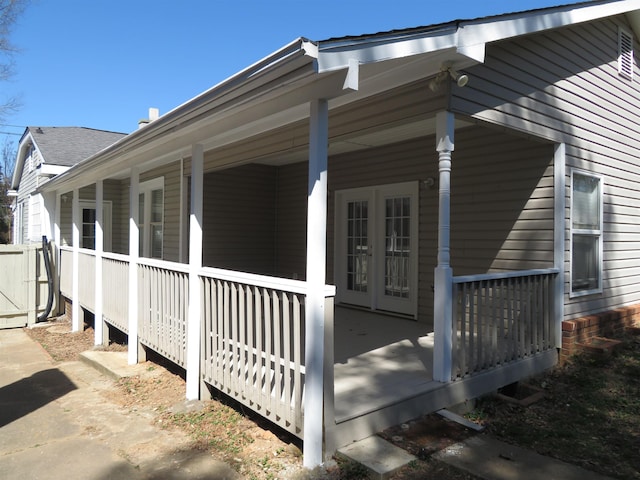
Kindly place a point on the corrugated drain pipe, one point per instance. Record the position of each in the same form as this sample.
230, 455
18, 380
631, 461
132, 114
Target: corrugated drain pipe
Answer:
47, 266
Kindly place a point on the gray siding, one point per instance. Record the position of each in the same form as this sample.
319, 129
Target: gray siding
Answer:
171, 228
239, 221
27, 186
502, 201
291, 226
564, 86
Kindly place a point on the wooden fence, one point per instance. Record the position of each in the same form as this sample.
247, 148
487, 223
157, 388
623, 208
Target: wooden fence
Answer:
501, 318
23, 285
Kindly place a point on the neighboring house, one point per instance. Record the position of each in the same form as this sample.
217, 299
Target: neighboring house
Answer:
347, 234
44, 152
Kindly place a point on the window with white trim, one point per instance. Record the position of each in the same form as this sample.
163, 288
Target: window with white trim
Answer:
586, 233
88, 225
151, 217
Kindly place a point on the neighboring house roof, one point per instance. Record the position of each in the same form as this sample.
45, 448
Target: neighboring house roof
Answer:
62, 146
274, 91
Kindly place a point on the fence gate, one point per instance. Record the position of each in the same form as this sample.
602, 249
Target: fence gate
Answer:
23, 285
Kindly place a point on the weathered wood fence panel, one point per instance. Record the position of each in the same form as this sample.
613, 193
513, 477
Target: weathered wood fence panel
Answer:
23, 285
501, 318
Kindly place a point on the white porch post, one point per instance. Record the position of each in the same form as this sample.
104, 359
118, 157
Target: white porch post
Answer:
316, 273
77, 322
195, 264
99, 247
56, 251
559, 173
134, 236
443, 316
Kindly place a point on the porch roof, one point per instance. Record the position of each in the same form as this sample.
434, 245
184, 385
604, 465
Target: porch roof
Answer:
275, 91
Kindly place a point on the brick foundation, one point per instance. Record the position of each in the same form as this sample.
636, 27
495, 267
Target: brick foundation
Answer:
605, 324
67, 308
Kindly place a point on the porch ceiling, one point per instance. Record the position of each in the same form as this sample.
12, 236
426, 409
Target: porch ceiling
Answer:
276, 103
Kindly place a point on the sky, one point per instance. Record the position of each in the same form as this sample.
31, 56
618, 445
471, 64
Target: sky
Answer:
103, 63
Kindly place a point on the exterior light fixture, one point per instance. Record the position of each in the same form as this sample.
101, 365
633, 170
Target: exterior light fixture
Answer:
460, 78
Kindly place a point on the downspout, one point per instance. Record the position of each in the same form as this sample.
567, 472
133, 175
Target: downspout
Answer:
47, 265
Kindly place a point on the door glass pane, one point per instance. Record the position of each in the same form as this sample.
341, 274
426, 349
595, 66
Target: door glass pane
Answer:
357, 246
397, 246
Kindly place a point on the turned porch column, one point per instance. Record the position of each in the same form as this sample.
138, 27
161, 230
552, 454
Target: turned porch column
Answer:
316, 279
443, 317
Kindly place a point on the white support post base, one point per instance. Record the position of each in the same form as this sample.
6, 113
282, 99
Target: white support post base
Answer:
442, 347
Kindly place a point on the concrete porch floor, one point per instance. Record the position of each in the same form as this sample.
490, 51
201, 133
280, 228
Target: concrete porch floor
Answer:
379, 360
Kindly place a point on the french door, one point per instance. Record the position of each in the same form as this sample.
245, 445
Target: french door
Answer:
376, 261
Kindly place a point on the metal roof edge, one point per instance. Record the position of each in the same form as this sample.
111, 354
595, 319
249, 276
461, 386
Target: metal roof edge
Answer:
468, 37
296, 48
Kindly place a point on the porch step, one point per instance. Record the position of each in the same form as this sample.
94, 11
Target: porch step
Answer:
379, 457
111, 364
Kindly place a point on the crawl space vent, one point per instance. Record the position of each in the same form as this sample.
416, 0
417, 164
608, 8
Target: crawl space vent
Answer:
625, 54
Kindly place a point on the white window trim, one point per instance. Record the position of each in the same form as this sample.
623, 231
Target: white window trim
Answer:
107, 212
599, 232
145, 189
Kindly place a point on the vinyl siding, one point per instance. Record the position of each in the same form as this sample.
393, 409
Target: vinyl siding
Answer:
27, 187
239, 223
501, 201
564, 86
171, 227
291, 221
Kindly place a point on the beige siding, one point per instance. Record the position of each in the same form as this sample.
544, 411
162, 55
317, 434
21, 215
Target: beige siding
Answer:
239, 219
291, 226
564, 86
171, 228
502, 201
27, 187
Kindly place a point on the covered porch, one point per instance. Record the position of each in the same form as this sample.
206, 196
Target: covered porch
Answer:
240, 220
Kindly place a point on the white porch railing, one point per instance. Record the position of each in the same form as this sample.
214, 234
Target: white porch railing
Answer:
501, 318
87, 276
66, 271
253, 344
163, 293
115, 294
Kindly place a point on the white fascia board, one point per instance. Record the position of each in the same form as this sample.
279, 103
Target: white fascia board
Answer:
480, 32
339, 55
12, 193
19, 165
46, 169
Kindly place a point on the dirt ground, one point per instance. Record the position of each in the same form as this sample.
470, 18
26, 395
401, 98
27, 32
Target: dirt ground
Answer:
603, 391
257, 450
